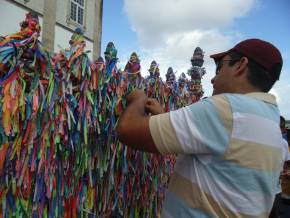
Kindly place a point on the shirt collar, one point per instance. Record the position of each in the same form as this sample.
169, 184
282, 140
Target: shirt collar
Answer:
266, 97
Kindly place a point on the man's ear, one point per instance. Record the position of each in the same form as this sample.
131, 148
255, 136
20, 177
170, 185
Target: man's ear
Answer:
241, 66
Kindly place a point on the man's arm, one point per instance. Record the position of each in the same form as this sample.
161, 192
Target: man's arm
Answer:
133, 127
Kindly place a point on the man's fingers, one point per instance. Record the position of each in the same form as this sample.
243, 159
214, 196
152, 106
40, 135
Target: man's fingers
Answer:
151, 101
148, 103
148, 106
136, 94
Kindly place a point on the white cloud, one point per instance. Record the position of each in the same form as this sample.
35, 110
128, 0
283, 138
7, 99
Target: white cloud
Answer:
179, 49
170, 30
281, 90
154, 20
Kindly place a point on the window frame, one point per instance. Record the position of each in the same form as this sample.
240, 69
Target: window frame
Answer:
79, 5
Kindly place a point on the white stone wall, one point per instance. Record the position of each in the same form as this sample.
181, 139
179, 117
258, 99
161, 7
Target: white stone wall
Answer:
62, 38
17, 14
36, 5
63, 13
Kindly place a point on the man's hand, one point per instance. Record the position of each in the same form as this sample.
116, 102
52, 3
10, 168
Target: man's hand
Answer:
153, 106
137, 94
133, 126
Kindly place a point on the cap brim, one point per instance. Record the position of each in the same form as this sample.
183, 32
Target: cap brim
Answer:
219, 56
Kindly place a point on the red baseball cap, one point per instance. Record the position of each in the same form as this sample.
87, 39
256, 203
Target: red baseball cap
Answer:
263, 53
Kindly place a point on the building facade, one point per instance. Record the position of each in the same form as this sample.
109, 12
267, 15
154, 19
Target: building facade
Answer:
62, 17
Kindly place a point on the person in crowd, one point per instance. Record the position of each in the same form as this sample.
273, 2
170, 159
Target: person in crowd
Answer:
281, 208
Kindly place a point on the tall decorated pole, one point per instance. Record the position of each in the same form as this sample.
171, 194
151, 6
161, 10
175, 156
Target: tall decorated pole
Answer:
154, 84
70, 124
133, 71
196, 72
26, 74
182, 91
170, 90
111, 58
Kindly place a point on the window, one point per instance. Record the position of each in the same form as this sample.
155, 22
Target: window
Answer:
77, 8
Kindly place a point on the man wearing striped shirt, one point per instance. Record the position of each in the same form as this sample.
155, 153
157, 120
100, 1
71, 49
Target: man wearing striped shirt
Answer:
230, 148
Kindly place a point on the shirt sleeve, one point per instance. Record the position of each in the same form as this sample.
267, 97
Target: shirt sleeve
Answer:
163, 134
201, 128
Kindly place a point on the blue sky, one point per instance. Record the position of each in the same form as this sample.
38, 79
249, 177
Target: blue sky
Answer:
169, 30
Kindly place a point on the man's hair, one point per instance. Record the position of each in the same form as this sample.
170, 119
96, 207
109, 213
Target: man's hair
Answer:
282, 121
258, 76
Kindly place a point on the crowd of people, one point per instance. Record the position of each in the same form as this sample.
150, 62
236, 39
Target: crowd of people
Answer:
281, 207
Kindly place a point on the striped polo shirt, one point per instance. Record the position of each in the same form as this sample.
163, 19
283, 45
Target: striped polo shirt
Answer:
231, 152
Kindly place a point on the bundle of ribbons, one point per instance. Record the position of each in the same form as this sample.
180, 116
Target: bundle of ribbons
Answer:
59, 152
